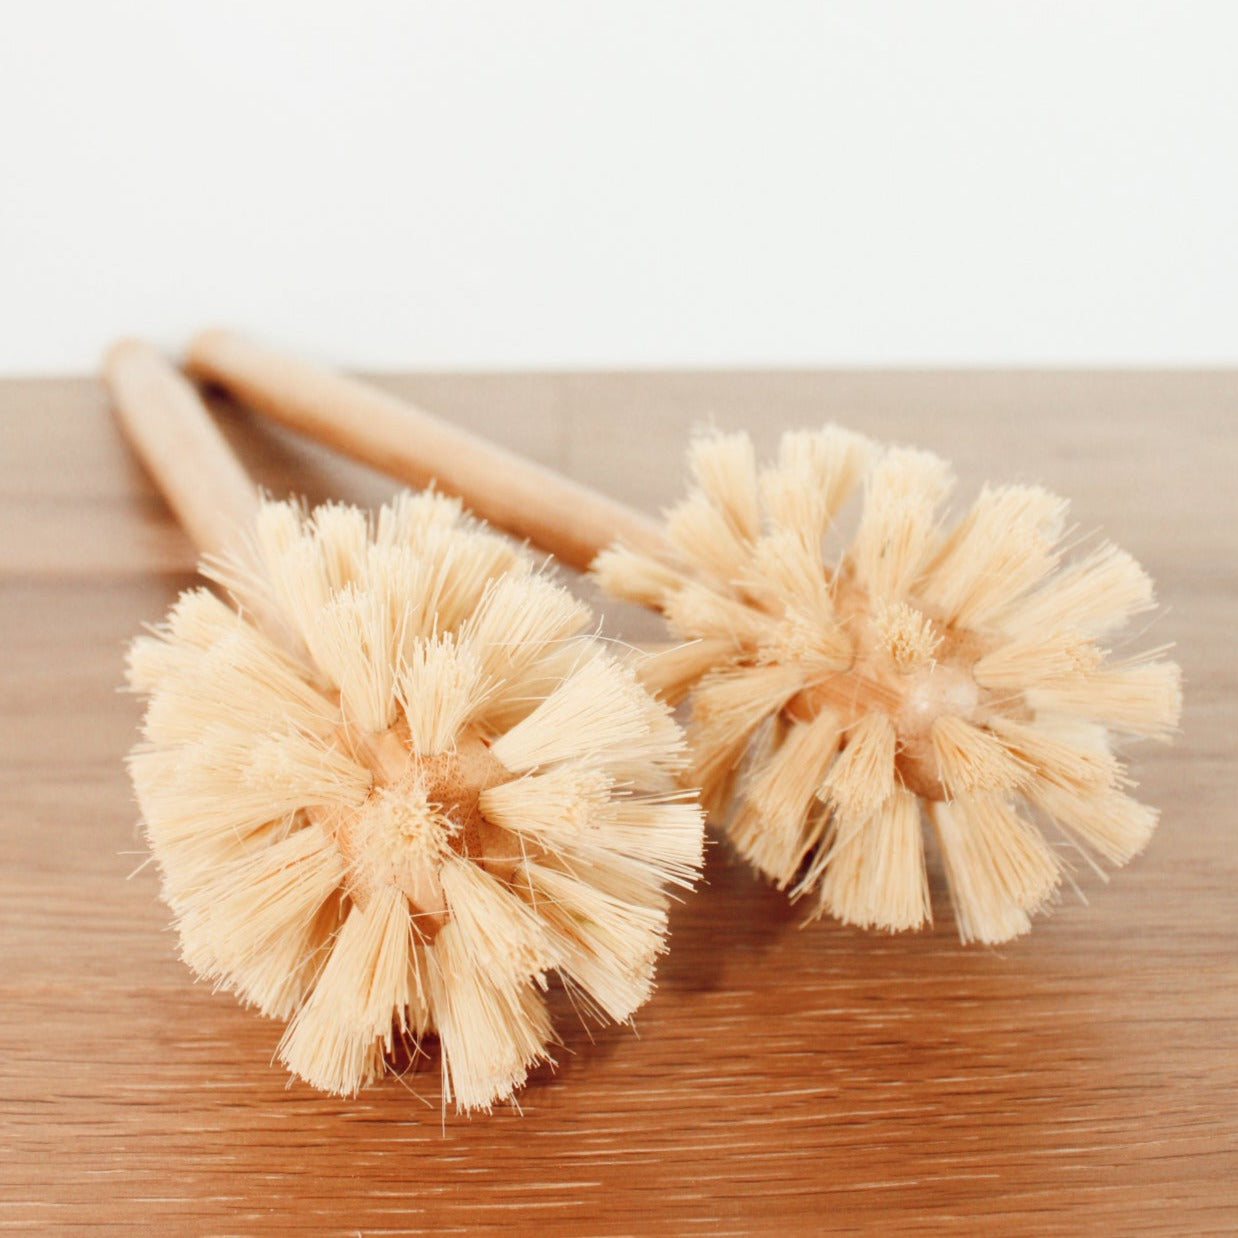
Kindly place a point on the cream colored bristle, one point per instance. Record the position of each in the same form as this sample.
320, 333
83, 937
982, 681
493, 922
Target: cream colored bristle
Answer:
635, 577
818, 650
872, 873
424, 790
970, 759
337, 1040
464, 569
998, 552
240, 681
1111, 824
1093, 596
251, 784
1139, 697
600, 711
1001, 870
725, 468
279, 893
342, 533
727, 708
603, 944
958, 658
552, 809
702, 612
697, 528
671, 672
1056, 756
908, 636
769, 827
197, 621
661, 832
498, 931
405, 519
1030, 660
863, 778
492, 1033
898, 528
516, 622
438, 691
354, 643
788, 571
816, 471
399, 836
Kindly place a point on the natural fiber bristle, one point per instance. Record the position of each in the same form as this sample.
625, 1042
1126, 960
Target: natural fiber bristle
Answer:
952, 665
422, 794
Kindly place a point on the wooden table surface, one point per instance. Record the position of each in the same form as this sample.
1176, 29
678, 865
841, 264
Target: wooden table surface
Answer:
783, 1079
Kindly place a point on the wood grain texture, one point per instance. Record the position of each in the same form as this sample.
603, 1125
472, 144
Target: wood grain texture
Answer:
1083, 1079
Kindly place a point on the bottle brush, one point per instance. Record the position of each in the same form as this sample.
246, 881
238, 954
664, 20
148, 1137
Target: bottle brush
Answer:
400, 784
955, 672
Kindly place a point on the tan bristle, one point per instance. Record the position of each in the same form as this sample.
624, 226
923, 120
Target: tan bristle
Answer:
240, 681
492, 1032
1139, 697
551, 809
727, 708
696, 527
602, 944
871, 873
353, 641
499, 932
279, 893
670, 673
790, 579
438, 689
959, 658
1000, 550
358, 828
337, 1039
1021, 664
408, 516
517, 621
710, 615
635, 577
898, 528
908, 636
1093, 596
769, 827
725, 468
862, 778
1001, 870
817, 649
1056, 756
600, 712
970, 759
1111, 824
631, 825
816, 471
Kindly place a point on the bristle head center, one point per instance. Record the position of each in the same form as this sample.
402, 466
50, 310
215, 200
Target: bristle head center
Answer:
421, 809
908, 666
944, 688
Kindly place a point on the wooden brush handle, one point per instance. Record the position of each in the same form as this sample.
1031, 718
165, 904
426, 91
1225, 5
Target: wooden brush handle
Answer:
555, 514
170, 430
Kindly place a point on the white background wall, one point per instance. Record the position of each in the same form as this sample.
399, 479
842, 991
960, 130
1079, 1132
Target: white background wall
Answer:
644, 182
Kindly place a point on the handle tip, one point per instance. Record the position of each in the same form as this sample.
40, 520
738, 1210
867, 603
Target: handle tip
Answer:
205, 343
127, 349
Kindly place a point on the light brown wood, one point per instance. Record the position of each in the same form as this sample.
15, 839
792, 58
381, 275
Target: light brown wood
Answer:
1081, 1080
554, 513
168, 426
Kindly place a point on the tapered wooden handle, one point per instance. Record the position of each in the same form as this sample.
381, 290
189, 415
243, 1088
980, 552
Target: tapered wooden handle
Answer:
171, 431
554, 513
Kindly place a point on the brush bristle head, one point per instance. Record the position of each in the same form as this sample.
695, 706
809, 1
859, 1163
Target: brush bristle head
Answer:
948, 669
400, 810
